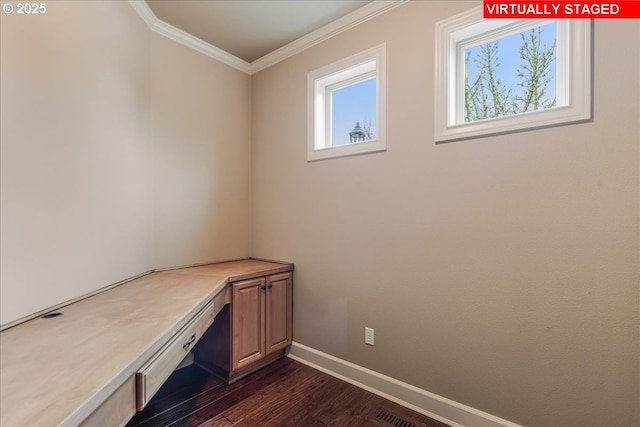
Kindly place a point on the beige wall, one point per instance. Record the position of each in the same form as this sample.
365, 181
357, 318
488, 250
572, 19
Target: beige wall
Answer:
201, 128
500, 272
115, 149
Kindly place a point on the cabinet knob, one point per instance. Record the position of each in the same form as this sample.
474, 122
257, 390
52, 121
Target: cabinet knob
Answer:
270, 286
264, 288
189, 341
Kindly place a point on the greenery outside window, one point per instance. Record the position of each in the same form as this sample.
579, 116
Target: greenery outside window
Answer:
501, 75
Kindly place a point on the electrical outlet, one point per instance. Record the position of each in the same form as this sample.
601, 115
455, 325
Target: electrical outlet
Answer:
368, 336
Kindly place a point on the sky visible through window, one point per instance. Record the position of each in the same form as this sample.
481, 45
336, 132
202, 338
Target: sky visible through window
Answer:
510, 61
357, 103
350, 105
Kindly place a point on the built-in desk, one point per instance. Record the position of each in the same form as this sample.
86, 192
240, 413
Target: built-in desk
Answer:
79, 368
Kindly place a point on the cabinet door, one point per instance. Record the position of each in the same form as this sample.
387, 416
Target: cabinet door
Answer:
279, 311
248, 322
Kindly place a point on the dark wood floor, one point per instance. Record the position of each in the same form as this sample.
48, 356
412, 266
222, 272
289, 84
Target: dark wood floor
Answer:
285, 393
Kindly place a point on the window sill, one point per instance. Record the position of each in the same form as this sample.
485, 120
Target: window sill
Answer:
353, 149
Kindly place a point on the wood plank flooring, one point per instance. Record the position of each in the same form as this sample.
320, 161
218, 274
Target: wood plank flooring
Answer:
285, 393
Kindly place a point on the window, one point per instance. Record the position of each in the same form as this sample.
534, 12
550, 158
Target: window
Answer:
502, 75
346, 111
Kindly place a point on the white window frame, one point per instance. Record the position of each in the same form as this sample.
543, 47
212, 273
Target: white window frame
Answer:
573, 75
357, 68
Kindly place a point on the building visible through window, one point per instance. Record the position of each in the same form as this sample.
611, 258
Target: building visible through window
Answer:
350, 105
346, 106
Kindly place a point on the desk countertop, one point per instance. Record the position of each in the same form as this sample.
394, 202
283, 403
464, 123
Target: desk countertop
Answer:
57, 371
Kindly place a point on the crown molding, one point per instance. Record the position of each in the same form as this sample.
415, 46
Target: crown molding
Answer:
144, 11
186, 39
201, 46
357, 17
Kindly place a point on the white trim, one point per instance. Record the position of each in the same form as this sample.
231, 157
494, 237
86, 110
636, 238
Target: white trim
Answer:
144, 11
574, 104
186, 39
366, 63
201, 46
437, 407
357, 17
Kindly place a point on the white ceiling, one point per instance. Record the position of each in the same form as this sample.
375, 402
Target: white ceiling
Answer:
250, 29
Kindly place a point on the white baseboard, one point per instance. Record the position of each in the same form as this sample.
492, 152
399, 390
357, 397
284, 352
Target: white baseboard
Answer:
437, 407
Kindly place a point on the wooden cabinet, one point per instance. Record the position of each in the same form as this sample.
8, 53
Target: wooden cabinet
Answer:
261, 318
248, 322
278, 334
145, 325
252, 331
